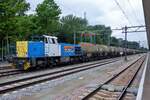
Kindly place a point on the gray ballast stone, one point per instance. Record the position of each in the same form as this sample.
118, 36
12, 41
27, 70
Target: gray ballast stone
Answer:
112, 88
115, 88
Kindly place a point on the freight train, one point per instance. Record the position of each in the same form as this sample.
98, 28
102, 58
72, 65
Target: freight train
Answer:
45, 51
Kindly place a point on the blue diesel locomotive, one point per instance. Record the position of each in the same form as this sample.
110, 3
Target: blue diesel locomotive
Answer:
44, 51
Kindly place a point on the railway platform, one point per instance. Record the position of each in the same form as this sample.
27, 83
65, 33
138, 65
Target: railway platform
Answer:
144, 89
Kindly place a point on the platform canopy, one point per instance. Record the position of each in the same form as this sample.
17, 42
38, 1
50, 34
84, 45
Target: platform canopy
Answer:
146, 6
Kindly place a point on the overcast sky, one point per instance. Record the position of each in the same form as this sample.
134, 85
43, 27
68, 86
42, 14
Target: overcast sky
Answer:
105, 12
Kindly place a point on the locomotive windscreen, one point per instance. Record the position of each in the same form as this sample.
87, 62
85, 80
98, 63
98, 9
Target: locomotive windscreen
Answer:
36, 38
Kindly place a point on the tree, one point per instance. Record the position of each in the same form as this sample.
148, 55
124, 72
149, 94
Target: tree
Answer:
9, 9
114, 41
48, 17
72, 25
133, 45
26, 26
103, 33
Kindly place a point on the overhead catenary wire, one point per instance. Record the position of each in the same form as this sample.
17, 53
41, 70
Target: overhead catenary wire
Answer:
126, 14
122, 10
133, 12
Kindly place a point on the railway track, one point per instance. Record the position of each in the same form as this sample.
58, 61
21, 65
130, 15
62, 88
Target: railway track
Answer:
6, 71
5, 67
131, 72
32, 80
9, 72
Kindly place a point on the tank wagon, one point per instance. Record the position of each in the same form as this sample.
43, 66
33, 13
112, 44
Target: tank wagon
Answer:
45, 51
97, 51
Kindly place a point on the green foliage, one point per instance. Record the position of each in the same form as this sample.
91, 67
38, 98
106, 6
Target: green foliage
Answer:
26, 26
114, 41
102, 32
121, 43
9, 9
133, 45
71, 24
47, 17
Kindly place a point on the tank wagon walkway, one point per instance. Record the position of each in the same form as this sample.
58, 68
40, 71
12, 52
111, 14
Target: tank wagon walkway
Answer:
144, 89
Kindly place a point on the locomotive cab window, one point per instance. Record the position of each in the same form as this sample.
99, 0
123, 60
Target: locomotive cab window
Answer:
56, 42
45, 40
53, 41
37, 38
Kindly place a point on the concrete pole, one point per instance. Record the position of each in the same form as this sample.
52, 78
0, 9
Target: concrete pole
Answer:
2, 51
126, 43
5, 50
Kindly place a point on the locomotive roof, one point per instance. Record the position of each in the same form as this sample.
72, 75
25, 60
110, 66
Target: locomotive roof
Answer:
47, 36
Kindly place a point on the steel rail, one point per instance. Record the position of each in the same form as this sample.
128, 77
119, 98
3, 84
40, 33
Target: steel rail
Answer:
16, 71
81, 68
8, 73
120, 97
109, 80
9, 70
6, 67
55, 72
